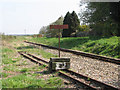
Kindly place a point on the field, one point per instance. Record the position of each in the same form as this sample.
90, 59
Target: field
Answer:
105, 46
18, 72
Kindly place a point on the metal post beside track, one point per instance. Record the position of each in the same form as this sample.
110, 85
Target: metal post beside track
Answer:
59, 42
59, 27
59, 63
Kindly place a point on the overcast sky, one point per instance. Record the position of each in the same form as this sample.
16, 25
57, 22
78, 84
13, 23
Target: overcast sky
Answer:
16, 16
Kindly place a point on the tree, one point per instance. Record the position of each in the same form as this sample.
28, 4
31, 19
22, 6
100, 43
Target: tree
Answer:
115, 14
67, 20
43, 30
73, 23
54, 32
76, 22
46, 31
115, 10
101, 18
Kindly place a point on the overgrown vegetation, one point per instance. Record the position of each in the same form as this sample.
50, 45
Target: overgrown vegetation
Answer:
7, 37
8, 56
16, 70
46, 31
3, 75
107, 46
25, 81
102, 18
34, 50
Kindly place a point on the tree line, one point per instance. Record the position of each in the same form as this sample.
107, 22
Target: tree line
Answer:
46, 31
70, 18
98, 19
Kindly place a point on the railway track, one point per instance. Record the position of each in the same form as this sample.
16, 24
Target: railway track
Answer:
94, 56
72, 76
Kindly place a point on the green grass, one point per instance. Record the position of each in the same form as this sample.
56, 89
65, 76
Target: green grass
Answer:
28, 77
11, 68
35, 68
0, 84
24, 70
28, 80
46, 54
17, 68
106, 46
24, 81
8, 56
38, 68
4, 74
34, 50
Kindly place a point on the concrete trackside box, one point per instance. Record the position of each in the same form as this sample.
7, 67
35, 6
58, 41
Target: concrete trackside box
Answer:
59, 63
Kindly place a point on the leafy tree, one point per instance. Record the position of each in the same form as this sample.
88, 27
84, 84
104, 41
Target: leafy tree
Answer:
102, 18
115, 10
46, 31
83, 28
54, 32
115, 14
43, 30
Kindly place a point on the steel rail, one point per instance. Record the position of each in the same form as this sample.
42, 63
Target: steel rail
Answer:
101, 84
24, 54
30, 58
94, 56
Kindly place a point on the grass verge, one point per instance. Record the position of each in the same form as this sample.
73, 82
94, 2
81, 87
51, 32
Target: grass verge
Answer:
24, 81
106, 46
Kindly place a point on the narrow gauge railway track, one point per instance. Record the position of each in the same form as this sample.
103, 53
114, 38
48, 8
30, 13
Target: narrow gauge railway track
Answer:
73, 76
94, 56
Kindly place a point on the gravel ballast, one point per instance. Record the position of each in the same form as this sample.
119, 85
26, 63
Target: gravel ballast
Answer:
103, 71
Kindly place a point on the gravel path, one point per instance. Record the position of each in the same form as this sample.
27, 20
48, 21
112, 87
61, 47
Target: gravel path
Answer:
93, 68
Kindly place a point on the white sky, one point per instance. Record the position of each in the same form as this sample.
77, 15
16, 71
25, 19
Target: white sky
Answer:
16, 16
